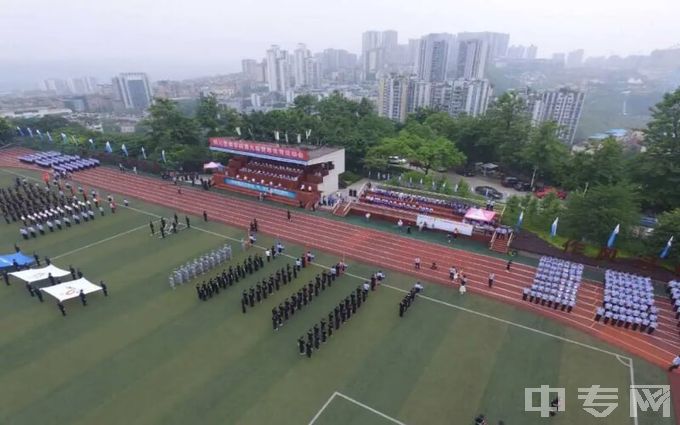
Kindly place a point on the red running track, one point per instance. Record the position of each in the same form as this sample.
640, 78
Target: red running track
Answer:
388, 251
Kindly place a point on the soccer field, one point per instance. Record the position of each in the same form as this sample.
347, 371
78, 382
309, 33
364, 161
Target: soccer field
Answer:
147, 354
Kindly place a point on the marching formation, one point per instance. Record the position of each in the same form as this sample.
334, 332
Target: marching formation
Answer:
228, 278
323, 330
201, 265
266, 287
409, 298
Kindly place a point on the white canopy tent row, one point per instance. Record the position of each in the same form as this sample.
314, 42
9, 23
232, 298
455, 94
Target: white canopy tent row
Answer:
35, 275
67, 290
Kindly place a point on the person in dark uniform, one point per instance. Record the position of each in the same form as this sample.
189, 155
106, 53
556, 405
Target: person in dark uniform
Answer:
47, 260
73, 272
29, 288
251, 297
61, 308
38, 293
5, 277
275, 319
153, 229
205, 215
288, 215
162, 232
323, 330
83, 298
308, 350
79, 273
401, 308
508, 265
37, 259
301, 346
104, 288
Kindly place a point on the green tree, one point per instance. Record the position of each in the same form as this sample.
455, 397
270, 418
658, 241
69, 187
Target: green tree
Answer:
6, 131
544, 153
669, 225
507, 129
658, 169
605, 164
593, 216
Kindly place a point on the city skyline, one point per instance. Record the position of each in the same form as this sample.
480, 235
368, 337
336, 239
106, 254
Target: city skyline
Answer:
214, 43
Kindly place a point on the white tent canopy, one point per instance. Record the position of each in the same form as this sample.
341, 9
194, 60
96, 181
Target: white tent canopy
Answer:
68, 290
34, 275
212, 165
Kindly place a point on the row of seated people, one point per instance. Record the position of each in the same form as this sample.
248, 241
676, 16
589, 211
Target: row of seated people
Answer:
275, 168
458, 207
556, 283
273, 174
273, 184
673, 290
395, 203
59, 162
628, 301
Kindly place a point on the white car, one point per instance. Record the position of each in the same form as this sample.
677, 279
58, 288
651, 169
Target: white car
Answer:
395, 160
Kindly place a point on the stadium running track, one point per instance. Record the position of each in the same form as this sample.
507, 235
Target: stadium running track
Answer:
385, 250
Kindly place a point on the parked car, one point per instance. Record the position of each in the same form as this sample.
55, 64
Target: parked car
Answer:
395, 160
522, 186
543, 192
488, 192
509, 181
467, 172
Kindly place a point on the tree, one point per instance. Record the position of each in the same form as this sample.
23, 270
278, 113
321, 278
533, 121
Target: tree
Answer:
168, 129
6, 131
508, 126
658, 169
606, 164
669, 225
544, 153
593, 216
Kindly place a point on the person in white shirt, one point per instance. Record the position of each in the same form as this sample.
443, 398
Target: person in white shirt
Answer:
418, 287
368, 216
674, 364
400, 224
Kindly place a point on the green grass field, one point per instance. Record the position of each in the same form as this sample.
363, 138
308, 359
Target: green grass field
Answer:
148, 354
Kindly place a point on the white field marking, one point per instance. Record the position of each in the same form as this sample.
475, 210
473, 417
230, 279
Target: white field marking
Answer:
632, 382
358, 403
117, 235
325, 405
467, 310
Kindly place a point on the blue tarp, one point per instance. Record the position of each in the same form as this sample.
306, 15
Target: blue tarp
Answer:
21, 259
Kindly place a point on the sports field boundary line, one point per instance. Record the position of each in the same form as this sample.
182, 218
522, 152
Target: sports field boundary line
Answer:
353, 401
117, 235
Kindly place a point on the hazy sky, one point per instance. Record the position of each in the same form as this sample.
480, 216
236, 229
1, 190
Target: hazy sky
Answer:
175, 39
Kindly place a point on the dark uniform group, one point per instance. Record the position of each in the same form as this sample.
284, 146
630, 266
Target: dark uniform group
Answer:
300, 299
323, 330
227, 278
164, 228
408, 300
261, 290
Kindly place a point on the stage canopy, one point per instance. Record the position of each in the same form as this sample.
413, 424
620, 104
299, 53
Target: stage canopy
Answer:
34, 275
67, 290
212, 166
21, 259
479, 214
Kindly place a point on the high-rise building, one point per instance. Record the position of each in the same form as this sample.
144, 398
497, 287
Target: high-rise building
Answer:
389, 40
55, 85
575, 59
254, 70
373, 63
370, 40
558, 58
532, 51
497, 42
563, 106
312, 73
413, 45
301, 54
278, 70
133, 90
432, 57
472, 59
469, 97
516, 52
393, 91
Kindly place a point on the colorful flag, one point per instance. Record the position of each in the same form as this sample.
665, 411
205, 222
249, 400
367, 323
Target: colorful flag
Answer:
612, 237
64, 138
124, 149
20, 132
667, 248
30, 133
49, 137
553, 227
108, 147
39, 134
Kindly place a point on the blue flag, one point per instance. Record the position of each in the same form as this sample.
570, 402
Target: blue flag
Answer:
39, 134
612, 237
143, 152
64, 138
20, 132
553, 227
49, 137
667, 248
30, 133
108, 147
124, 149
520, 219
